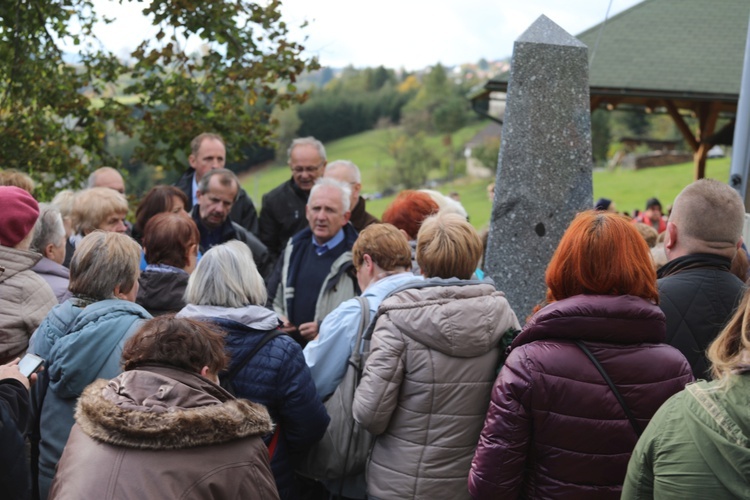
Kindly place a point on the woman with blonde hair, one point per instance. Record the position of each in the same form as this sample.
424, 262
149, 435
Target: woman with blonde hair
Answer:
585, 375
698, 443
429, 372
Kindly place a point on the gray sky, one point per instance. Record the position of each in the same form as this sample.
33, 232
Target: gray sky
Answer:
399, 33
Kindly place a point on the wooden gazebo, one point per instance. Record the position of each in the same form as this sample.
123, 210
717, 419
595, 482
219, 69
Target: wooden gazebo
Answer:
681, 57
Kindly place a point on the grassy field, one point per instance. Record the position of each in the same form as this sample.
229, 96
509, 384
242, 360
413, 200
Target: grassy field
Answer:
628, 188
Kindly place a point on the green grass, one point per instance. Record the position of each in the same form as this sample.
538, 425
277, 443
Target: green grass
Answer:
629, 189
367, 150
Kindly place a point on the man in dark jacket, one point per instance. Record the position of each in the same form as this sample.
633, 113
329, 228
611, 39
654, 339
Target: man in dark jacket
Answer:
217, 193
697, 292
283, 212
207, 152
348, 173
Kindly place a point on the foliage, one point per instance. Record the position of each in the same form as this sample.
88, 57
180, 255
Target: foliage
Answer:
439, 106
55, 116
414, 161
601, 135
352, 103
287, 123
487, 152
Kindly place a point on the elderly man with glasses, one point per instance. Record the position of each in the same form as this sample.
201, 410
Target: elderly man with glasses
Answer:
283, 212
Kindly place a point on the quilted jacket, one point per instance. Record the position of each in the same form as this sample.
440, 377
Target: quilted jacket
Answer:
426, 385
554, 428
276, 377
698, 295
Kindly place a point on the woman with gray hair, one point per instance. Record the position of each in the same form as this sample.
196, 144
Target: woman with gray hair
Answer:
82, 339
227, 290
49, 242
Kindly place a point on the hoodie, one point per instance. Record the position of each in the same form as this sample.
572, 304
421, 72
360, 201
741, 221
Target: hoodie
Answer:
426, 385
697, 445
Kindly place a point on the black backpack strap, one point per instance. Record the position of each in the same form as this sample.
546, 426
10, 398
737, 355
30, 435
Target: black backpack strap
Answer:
265, 340
628, 413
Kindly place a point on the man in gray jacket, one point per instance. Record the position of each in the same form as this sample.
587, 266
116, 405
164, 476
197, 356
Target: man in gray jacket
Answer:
316, 273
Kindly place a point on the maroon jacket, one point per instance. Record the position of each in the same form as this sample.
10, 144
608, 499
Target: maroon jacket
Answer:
554, 429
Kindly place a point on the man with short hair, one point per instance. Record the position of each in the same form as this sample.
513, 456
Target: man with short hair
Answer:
697, 291
283, 212
652, 216
208, 152
217, 194
348, 173
316, 274
107, 177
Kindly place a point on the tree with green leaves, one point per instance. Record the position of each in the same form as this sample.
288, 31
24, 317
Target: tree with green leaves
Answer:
61, 90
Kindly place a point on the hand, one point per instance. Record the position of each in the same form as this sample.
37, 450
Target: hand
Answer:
286, 325
11, 371
309, 331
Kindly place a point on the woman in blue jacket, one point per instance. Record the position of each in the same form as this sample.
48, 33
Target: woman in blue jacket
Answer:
227, 290
82, 339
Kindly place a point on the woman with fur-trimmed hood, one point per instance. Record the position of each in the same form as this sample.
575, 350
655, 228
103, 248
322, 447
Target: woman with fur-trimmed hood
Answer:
164, 428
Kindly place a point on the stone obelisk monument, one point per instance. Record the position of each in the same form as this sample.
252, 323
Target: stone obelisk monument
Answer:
544, 165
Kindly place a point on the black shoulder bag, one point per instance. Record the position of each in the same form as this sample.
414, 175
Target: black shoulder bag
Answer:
628, 413
227, 378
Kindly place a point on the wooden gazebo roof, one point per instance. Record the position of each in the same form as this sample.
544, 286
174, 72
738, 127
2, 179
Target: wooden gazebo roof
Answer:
683, 57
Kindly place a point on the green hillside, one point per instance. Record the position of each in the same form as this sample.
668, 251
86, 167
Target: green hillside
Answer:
628, 188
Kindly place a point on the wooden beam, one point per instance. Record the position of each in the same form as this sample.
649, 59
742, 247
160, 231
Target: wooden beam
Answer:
681, 125
595, 102
708, 114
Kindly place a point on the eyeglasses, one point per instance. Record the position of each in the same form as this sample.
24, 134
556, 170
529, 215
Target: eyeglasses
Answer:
309, 170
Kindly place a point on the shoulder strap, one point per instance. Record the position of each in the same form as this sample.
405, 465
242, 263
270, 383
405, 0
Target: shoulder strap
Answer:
266, 339
628, 413
364, 322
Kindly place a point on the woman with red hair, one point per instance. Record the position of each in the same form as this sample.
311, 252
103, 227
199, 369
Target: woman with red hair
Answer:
407, 212
585, 375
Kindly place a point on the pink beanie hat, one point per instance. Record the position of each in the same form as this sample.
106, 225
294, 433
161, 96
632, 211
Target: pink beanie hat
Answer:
18, 214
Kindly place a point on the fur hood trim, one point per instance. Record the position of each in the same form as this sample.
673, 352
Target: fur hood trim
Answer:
178, 427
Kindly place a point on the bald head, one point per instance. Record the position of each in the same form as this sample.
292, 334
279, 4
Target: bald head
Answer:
707, 217
107, 177
348, 173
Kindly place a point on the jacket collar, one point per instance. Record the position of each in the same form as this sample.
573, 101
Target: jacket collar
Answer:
694, 261
618, 319
15, 261
162, 408
256, 317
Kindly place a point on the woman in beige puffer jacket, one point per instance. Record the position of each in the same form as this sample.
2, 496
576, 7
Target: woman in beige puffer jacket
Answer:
433, 359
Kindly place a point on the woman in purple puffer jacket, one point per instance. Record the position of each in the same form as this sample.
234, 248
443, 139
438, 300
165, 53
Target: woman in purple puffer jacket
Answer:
555, 428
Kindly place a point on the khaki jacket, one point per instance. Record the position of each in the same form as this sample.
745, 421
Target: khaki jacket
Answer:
25, 300
160, 432
426, 386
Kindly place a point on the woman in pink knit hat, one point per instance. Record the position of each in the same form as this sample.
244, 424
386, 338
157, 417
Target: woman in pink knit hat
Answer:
25, 298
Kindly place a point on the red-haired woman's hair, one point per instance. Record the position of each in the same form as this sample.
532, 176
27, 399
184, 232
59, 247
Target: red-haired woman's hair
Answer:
601, 253
408, 210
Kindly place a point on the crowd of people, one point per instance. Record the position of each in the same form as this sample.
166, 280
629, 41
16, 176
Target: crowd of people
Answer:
208, 350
